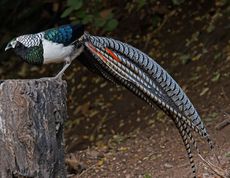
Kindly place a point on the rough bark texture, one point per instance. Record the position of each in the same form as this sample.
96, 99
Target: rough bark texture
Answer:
32, 114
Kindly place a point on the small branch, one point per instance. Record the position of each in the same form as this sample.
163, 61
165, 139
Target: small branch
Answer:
224, 123
217, 170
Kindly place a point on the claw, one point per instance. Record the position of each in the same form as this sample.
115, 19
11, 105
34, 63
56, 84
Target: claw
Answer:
58, 76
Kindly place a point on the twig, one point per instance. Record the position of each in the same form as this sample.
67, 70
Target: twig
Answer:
219, 171
91, 167
164, 21
224, 94
224, 123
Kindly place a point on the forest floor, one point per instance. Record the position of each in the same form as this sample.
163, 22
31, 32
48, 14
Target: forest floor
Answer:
115, 134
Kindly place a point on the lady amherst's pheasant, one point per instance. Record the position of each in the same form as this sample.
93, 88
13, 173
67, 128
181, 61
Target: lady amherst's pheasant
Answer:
55, 45
120, 63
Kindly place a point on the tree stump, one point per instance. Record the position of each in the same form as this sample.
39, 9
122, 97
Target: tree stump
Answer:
32, 114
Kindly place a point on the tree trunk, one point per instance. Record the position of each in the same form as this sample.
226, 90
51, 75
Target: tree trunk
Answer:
32, 114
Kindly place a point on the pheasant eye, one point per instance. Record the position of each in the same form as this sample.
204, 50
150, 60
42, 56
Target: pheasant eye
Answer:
14, 44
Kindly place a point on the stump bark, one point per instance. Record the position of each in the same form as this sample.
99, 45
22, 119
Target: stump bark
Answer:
32, 114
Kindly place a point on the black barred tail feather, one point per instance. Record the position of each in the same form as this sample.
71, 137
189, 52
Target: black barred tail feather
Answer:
140, 65
128, 66
152, 70
186, 137
183, 129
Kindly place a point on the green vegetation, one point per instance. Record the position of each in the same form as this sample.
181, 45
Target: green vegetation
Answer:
91, 12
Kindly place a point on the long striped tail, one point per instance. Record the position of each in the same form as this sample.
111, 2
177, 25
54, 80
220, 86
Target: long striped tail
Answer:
140, 74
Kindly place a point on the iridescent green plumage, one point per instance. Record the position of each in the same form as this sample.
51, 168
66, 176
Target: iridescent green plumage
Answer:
32, 55
35, 55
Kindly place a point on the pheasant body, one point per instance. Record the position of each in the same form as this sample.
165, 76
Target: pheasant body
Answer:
51, 46
120, 63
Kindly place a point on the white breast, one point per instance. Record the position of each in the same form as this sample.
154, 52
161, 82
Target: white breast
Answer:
54, 52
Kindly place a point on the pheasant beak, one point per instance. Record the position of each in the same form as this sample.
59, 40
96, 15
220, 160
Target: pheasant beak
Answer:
9, 46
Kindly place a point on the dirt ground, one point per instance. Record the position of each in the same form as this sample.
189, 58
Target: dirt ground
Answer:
115, 134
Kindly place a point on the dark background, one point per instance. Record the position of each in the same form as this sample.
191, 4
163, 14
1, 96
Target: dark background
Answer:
190, 39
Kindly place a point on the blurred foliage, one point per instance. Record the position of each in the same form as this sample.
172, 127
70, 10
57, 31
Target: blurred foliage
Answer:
99, 13
127, 19
177, 2
23, 16
92, 12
